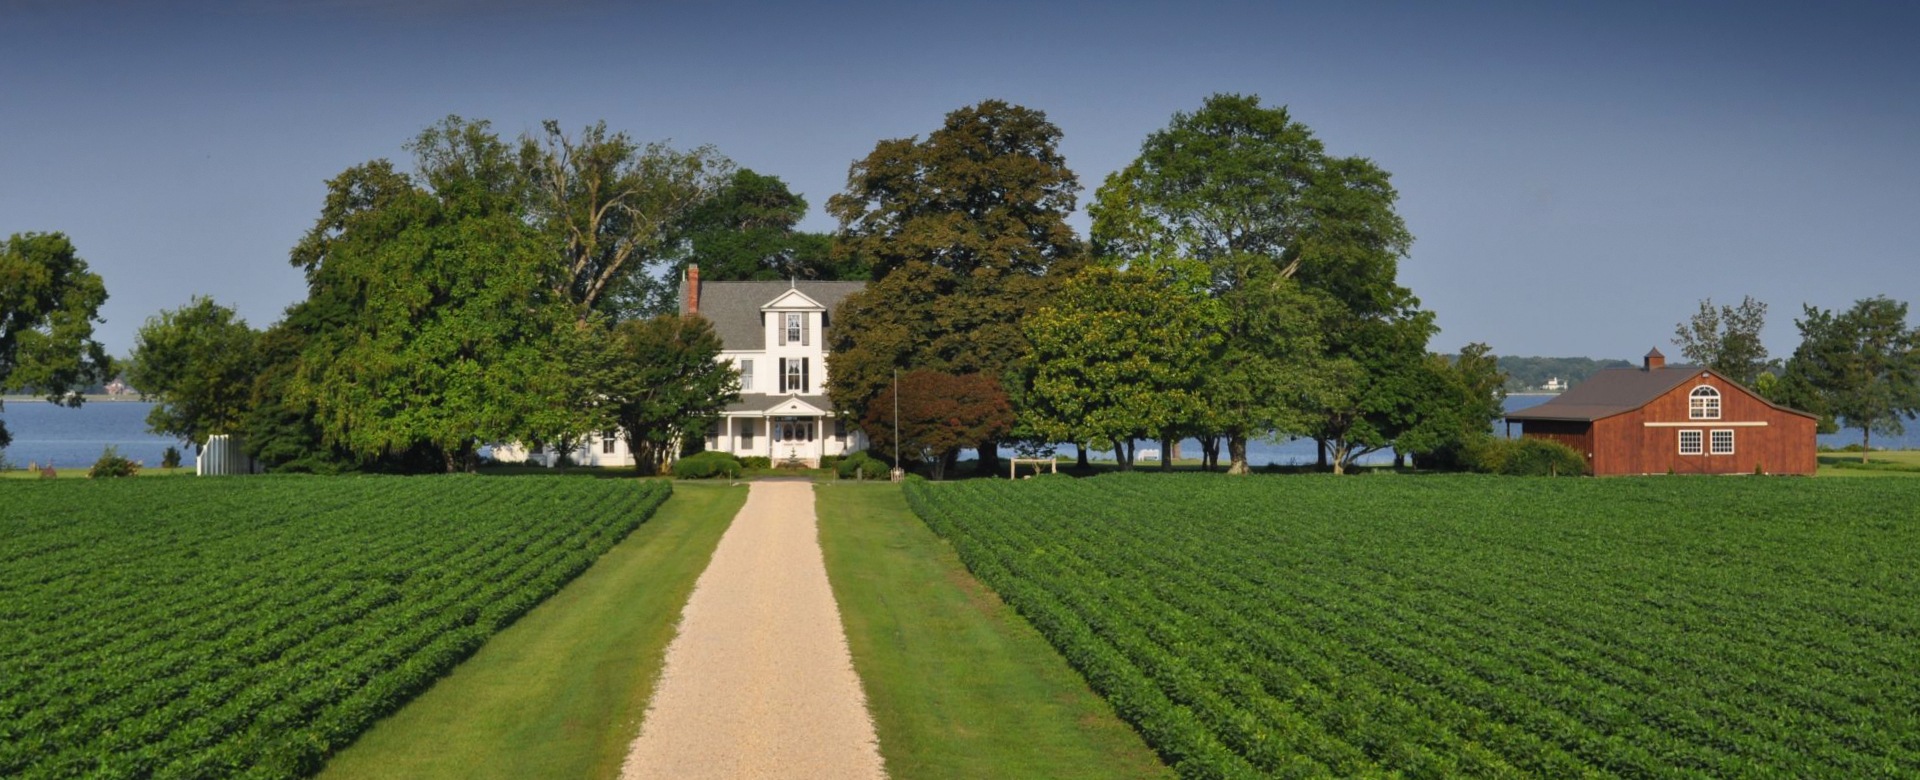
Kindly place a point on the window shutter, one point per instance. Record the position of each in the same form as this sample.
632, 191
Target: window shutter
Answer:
806, 329
783, 375
780, 324
805, 381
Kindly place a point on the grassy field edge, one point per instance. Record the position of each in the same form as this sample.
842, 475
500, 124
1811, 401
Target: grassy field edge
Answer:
561, 692
959, 685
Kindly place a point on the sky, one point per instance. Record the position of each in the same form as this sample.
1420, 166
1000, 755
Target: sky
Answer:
1577, 178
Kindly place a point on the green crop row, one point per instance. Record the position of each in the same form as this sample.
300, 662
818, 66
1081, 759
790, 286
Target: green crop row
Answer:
249, 627
1473, 626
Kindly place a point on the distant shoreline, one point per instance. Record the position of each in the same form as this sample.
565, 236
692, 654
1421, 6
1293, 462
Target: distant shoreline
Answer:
41, 399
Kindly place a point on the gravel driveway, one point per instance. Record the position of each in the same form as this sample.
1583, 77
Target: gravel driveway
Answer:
758, 683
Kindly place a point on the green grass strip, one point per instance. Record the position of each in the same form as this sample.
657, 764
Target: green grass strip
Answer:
960, 686
561, 692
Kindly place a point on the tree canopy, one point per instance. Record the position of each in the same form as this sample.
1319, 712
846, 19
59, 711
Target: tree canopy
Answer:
1860, 367
1292, 238
198, 364
939, 414
961, 230
49, 302
664, 382
1119, 354
1726, 339
747, 231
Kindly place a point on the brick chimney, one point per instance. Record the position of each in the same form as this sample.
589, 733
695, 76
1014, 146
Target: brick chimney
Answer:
1654, 360
690, 289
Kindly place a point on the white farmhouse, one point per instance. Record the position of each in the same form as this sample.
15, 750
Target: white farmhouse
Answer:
775, 335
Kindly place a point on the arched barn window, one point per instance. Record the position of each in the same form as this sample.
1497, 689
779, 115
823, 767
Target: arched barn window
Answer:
1705, 404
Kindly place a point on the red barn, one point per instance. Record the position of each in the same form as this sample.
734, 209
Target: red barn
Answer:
1658, 419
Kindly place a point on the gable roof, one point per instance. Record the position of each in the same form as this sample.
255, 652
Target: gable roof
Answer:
734, 307
1612, 391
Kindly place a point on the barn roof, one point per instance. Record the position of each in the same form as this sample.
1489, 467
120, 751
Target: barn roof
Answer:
1613, 391
734, 307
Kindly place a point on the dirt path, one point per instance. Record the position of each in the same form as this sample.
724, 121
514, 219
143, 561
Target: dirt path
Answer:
758, 683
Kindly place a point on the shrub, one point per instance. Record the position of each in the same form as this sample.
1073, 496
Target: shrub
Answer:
1527, 457
705, 465
171, 458
861, 462
756, 462
111, 464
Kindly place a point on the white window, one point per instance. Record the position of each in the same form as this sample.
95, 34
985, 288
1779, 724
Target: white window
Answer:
1704, 404
793, 375
840, 429
746, 376
796, 328
746, 434
1690, 443
607, 438
1723, 442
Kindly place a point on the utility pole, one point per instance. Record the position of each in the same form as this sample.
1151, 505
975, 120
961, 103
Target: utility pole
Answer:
898, 473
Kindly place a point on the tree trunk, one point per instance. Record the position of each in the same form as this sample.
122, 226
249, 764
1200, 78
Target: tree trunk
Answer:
1237, 453
989, 458
1320, 445
1168, 447
1339, 452
1399, 459
1209, 452
1120, 458
1081, 448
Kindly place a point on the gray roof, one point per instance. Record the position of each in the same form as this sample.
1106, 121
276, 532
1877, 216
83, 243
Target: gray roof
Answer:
761, 402
734, 307
1612, 391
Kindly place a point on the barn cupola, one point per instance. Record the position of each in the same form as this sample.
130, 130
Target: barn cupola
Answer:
1654, 360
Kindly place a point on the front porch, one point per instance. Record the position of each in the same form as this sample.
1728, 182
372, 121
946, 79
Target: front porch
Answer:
791, 429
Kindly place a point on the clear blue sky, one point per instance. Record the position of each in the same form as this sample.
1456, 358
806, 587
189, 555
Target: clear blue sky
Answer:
1576, 178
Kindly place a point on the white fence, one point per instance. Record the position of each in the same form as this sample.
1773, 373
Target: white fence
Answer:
222, 455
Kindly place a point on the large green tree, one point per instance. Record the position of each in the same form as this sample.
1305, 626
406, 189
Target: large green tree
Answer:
1726, 339
608, 206
1251, 193
663, 382
49, 302
748, 231
1459, 400
961, 230
447, 314
1860, 367
1119, 354
198, 362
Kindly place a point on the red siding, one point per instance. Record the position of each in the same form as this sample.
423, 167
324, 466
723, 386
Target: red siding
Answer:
1647, 440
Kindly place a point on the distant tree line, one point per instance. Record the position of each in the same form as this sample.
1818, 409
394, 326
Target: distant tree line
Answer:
1532, 373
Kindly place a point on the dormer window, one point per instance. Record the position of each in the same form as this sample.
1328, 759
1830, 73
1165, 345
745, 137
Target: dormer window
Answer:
793, 329
1704, 404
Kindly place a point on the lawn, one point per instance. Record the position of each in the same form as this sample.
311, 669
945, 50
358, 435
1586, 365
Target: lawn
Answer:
1880, 463
959, 685
209, 628
1461, 625
561, 692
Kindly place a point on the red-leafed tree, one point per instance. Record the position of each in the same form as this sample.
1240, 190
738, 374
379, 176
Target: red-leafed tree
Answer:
940, 414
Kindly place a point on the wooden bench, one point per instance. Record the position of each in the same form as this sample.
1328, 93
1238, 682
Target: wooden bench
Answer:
1013, 465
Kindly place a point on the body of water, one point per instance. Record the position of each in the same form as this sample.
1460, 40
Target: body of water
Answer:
43, 433
71, 438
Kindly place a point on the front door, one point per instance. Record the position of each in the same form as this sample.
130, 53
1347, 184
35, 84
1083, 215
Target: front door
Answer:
793, 439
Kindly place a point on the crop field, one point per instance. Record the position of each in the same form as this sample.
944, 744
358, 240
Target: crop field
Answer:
247, 627
1473, 626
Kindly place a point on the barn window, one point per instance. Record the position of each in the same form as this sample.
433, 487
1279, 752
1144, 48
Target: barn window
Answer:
1723, 442
1704, 404
1690, 443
